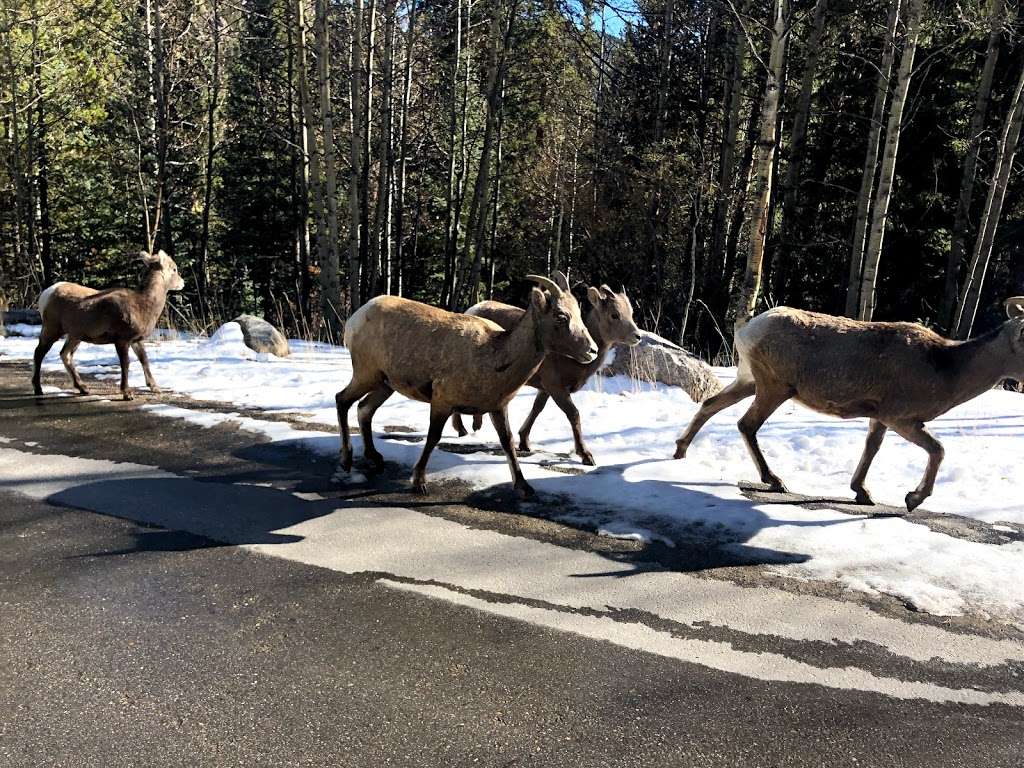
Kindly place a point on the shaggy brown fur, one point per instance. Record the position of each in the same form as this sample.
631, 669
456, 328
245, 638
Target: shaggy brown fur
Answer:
898, 375
610, 322
457, 363
119, 316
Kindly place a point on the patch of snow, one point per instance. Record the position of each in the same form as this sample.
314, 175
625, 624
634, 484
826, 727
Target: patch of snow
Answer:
631, 428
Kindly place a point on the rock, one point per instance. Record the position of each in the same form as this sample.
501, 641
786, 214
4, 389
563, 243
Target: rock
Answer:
261, 336
656, 359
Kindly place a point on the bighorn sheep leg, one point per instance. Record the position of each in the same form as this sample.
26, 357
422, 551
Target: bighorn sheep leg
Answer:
500, 421
343, 400
876, 432
731, 395
67, 356
524, 431
916, 433
122, 355
46, 340
564, 401
764, 405
460, 428
367, 407
438, 416
140, 352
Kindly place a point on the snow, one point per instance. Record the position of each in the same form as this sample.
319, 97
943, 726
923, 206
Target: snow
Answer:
638, 492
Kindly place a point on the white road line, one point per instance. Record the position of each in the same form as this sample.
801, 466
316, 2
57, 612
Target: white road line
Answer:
716, 655
418, 547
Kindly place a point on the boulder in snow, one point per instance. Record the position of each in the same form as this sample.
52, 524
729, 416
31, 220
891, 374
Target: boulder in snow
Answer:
656, 359
261, 336
17, 322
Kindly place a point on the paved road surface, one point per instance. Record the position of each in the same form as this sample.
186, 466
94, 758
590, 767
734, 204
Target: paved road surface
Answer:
230, 606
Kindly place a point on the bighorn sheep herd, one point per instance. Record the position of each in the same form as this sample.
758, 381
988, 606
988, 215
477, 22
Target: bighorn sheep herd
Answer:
897, 375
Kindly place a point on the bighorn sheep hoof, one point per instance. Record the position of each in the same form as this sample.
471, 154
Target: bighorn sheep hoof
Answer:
863, 497
128, 395
38, 390
588, 458
525, 491
775, 485
680, 451
525, 448
419, 485
376, 459
83, 391
914, 500
155, 389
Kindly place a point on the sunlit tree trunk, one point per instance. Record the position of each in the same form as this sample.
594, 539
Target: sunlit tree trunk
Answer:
746, 300
975, 279
880, 209
969, 165
355, 191
330, 289
403, 150
867, 179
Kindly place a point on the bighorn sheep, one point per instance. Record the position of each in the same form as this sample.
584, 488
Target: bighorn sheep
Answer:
455, 362
898, 375
609, 321
119, 316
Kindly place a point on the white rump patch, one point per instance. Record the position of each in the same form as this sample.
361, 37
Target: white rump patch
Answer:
45, 296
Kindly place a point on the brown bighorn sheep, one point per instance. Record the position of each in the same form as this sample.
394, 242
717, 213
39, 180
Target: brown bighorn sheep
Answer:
119, 316
457, 363
898, 375
609, 321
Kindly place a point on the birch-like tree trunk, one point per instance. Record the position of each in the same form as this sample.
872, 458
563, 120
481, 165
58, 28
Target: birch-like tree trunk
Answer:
367, 137
312, 172
880, 209
355, 191
330, 289
867, 178
403, 149
975, 279
969, 165
746, 300
212, 104
380, 238
798, 140
451, 216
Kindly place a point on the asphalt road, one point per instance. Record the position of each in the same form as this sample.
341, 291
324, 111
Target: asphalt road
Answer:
178, 595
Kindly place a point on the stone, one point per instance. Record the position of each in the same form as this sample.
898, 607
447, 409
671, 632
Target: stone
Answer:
261, 336
655, 359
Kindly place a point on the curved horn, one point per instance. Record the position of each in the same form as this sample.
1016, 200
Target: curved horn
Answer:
1014, 306
547, 283
562, 280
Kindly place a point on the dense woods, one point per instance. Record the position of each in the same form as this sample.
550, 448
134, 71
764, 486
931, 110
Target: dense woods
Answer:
297, 157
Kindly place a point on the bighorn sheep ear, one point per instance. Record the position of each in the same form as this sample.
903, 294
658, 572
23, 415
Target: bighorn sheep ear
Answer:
147, 258
162, 254
593, 296
562, 280
547, 284
539, 299
607, 291
1014, 306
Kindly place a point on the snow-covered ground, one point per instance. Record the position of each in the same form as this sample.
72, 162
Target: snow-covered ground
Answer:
639, 492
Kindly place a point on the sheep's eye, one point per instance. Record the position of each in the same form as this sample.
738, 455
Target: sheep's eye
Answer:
615, 315
563, 318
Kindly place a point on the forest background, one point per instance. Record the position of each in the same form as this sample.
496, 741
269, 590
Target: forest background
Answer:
715, 157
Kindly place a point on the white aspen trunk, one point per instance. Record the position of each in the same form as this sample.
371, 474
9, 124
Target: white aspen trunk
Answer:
969, 165
867, 179
355, 158
330, 289
798, 141
975, 279
403, 150
746, 300
880, 211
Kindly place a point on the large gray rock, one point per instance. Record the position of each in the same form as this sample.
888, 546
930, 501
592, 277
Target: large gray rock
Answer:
261, 336
656, 359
